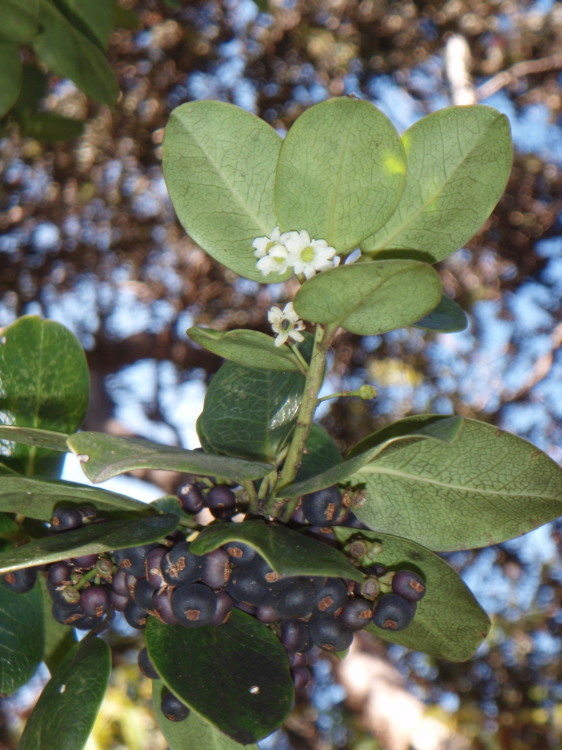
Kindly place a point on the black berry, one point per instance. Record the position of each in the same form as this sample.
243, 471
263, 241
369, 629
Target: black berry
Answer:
393, 612
409, 585
322, 508
172, 708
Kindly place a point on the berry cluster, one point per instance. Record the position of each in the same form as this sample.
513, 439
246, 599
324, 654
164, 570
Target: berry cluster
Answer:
168, 581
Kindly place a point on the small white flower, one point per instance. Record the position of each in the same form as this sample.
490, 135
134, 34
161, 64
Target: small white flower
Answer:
309, 256
263, 245
285, 324
272, 253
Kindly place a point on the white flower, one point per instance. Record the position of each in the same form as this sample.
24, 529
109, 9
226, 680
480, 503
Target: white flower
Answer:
263, 245
285, 324
276, 260
308, 256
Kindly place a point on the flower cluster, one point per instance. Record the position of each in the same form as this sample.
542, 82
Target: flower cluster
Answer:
295, 250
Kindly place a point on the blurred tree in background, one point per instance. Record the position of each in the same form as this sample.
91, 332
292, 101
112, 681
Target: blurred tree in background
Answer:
88, 237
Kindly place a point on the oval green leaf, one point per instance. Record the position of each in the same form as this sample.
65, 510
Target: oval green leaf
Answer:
341, 172
236, 676
54, 441
290, 553
447, 317
21, 637
250, 348
10, 76
370, 297
105, 456
219, 165
459, 160
70, 54
194, 732
44, 383
249, 412
93, 18
67, 708
19, 20
453, 631
36, 497
484, 487
93, 539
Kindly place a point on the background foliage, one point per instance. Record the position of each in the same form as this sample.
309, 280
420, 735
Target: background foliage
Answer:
88, 237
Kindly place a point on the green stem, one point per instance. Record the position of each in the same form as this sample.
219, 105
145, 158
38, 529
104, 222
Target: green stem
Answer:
314, 378
302, 361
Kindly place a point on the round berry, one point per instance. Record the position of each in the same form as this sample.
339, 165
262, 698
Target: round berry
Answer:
21, 581
240, 553
331, 596
161, 607
133, 558
216, 570
179, 565
221, 501
294, 597
66, 518
172, 708
94, 601
393, 612
59, 574
409, 585
190, 498
135, 614
356, 614
295, 636
322, 508
194, 604
329, 633
146, 666
246, 585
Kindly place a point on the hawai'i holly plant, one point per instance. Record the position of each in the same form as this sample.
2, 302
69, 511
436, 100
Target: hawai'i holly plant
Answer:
323, 544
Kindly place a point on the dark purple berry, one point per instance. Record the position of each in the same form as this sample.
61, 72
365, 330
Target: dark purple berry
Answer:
66, 613
194, 604
172, 708
246, 585
190, 498
143, 593
356, 614
59, 574
331, 596
409, 585
161, 607
221, 501
301, 678
240, 553
135, 614
133, 559
65, 518
322, 508
86, 562
294, 597
179, 565
216, 570
393, 612
119, 582
267, 613
21, 581
117, 601
146, 666
94, 601
295, 636
153, 567
224, 608
329, 633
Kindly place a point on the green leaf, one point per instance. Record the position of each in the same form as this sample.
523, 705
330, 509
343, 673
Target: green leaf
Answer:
453, 631
10, 76
93, 18
482, 488
66, 710
87, 540
55, 441
459, 160
105, 456
250, 348
59, 639
70, 54
250, 412
48, 126
33, 89
19, 20
44, 383
371, 297
236, 676
321, 453
37, 497
409, 430
290, 553
21, 637
219, 164
447, 317
194, 732
341, 172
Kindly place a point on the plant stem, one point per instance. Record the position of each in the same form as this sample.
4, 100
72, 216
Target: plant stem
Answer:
302, 361
314, 378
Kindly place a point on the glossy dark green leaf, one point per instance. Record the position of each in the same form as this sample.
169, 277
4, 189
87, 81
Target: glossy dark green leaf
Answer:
37, 497
49, 126
289, 552
59, 639
449, 623
10, 76
249, 412
87, 540
105, 456
370, 297
94, 18
459, 160
67, 708
341, 172
409, 430
219, 164
70, 54
194, 732
21, 637
19, 20
250, 348
321, 453
482, 488
236, 676
447, 317
44, 383
55, 441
